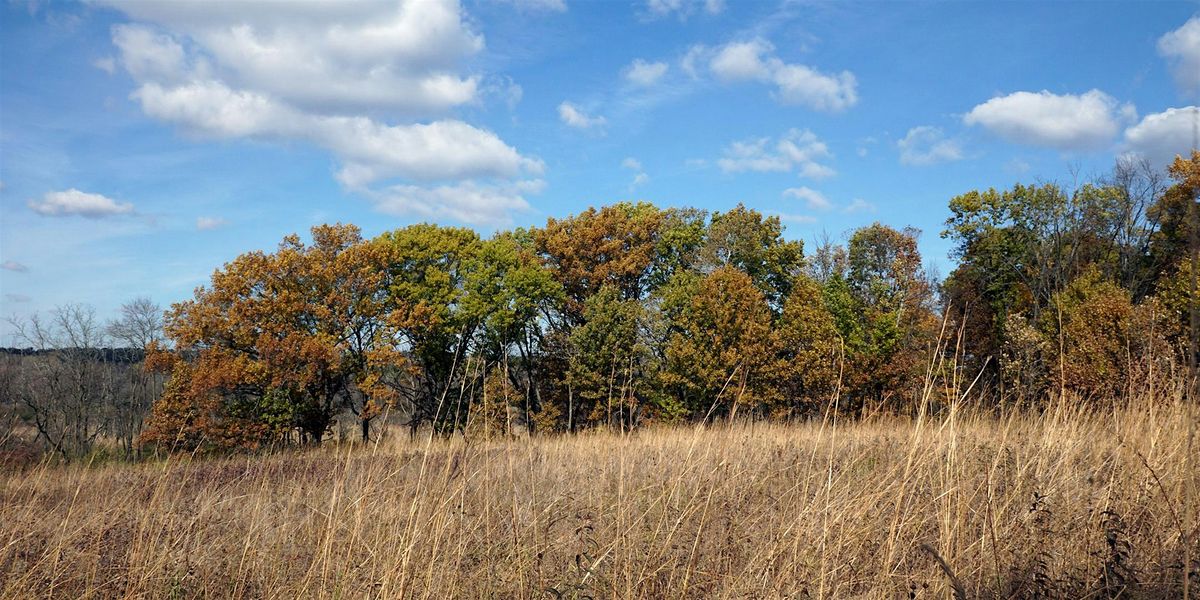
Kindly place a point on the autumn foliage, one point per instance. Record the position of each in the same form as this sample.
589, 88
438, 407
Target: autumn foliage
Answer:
630, 314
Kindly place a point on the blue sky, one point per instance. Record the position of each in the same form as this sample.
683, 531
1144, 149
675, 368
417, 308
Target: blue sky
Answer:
143, 144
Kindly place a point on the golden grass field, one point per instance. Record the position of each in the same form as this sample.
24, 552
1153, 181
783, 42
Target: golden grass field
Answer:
1074, 503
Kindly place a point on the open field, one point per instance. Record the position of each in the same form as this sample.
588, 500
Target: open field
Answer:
1074, 503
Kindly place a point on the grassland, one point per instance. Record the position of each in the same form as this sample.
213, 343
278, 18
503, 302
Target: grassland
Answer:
1072, 503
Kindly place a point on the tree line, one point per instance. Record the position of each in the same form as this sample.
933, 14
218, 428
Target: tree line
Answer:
631, 314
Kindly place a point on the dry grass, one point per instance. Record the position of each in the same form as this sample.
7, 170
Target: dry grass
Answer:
1072, 504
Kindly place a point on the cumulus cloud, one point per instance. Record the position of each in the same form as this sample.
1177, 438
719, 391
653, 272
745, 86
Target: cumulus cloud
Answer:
927, 145
12, 265
1088, 121
74, 202
372, 82
370, 151
803, 85
1181, 48
316, 55
645, 74
741, 61
798, 150
148, 54
209, 223
575, 117
469, 201
795, 84
1159, 137
812, 198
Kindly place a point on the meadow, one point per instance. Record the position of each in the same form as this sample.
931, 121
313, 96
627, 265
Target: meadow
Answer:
1072, 502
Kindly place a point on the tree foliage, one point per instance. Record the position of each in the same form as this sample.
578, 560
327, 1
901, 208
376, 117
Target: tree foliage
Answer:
629, 314
277, 343
1085, 292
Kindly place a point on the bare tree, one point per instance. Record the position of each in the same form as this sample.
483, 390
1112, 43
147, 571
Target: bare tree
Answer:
10, 399
828, 259
64, 383
140, 323
1138, 185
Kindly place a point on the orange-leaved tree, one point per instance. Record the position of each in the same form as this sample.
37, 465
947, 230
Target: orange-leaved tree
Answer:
615, 245
277, 343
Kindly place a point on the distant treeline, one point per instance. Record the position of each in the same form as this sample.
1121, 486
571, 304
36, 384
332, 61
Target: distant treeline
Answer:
631, 313
109, 355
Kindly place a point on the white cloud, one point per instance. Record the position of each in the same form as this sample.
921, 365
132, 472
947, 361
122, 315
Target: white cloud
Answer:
370, 151
795, 84
798, 150
438, 150
683, 8
470, 202
742, 61
74, 202
575, 117
812, 198
316, 55
752, 155
799, 84
645, 74
1161, 136
371, 82
858, 205
927, 145
632, 164
209, 223
1065, 122
149, 55
12, 265
1181, 48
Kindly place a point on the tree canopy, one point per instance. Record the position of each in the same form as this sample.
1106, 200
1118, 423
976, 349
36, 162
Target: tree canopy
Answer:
630, 314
